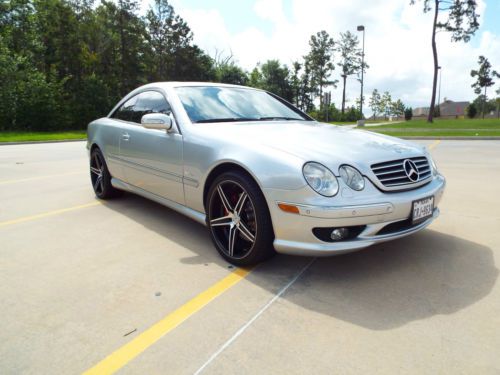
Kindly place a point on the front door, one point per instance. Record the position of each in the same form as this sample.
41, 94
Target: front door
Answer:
152, 159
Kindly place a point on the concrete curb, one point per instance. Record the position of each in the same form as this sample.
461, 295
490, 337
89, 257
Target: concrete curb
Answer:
454, 138
39, 142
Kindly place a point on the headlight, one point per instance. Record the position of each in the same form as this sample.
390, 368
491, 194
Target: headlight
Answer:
433, 166
352, 177
320, 179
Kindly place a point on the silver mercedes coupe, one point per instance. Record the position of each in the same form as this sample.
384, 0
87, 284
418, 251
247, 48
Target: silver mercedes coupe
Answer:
260, 174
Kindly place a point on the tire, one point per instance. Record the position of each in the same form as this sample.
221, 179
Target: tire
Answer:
100, 176
238, 219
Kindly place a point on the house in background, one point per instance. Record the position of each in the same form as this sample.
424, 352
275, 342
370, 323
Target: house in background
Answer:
448, 109
420, 111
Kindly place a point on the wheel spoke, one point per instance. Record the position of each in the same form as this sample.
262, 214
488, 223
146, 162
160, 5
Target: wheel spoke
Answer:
98, 162
241, 201
224, 199
98, 182
231, 239
221, 221
95, 171
246, 232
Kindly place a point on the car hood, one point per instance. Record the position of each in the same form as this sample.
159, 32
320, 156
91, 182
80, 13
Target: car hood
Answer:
325, 143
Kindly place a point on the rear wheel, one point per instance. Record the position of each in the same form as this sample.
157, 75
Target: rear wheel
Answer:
100, 176
239, 220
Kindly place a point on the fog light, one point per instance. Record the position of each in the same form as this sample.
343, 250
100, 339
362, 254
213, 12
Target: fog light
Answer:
339, 234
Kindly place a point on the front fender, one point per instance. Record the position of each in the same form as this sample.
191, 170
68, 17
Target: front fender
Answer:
270, 168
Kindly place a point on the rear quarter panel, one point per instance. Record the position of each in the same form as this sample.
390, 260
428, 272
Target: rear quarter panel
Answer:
105, 134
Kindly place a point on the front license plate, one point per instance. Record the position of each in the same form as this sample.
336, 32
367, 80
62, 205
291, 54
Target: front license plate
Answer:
422, 209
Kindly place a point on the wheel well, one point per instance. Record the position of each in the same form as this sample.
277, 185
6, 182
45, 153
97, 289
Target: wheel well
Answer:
93, 147
217, 171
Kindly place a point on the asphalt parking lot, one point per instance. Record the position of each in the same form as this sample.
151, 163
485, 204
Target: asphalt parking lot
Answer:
132, 286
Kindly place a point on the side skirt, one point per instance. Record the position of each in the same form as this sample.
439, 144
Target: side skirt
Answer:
186, 211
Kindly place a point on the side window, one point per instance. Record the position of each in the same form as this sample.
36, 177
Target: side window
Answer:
141, 104
150, 102
126, 111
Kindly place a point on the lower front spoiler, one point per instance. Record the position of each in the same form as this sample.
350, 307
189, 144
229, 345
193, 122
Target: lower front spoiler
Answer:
365, 239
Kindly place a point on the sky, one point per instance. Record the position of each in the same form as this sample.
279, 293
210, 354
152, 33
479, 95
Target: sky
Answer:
397, 41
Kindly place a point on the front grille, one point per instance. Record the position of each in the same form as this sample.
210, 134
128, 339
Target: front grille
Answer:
392, 173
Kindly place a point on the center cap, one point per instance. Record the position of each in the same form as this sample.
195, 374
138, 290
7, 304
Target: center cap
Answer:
236, 219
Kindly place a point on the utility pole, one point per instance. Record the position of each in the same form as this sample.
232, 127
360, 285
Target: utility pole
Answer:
362, 28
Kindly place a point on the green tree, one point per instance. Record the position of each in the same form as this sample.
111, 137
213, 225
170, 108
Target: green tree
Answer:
484, 79
374, 102
124, 45
385, 105
275, 78
28, 99
255, 77
192, 64
397, 108
486, 106
460, 20
408, 113
231, 73
305, 92
350, 59
295, 81
352, 114
319, 62
227, 71
168, 37
471, 110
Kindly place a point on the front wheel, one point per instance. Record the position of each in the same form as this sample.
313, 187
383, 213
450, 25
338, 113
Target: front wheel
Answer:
238, 219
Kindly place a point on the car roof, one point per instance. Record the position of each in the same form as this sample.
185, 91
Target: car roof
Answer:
172, 84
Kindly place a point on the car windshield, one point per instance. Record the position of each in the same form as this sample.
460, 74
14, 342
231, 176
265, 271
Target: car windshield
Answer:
205, 104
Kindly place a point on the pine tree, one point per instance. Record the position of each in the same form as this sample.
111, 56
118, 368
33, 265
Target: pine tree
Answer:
461, 21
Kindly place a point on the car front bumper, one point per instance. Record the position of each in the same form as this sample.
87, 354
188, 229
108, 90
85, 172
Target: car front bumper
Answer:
373, 209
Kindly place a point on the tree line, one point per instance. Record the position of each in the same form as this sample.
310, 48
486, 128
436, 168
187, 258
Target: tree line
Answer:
64, 63
383, 105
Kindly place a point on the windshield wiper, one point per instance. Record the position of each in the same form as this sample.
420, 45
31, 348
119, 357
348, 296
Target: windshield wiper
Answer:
280, 118
230, 119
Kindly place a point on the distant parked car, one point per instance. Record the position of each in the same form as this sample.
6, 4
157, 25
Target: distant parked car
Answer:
261, 174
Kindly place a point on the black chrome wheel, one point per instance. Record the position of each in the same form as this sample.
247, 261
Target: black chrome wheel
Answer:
100, 177
239, 220
96, 172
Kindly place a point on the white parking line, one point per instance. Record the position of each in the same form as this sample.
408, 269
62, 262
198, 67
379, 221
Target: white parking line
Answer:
254, 318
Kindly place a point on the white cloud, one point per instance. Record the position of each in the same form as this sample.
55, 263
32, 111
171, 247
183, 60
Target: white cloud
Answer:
271, 10
397, 43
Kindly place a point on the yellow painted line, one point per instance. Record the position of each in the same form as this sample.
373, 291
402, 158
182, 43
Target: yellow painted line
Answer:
47, 214
6, 182
434, 144
132, 349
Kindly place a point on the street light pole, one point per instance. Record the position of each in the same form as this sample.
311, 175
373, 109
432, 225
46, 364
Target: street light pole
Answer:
439, 91
362, 28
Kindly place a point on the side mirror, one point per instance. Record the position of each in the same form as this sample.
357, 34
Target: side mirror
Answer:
158, 121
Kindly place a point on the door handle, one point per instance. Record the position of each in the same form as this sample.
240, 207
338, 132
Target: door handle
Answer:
125, 136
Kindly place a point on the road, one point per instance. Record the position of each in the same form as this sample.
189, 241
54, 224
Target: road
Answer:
81, 280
